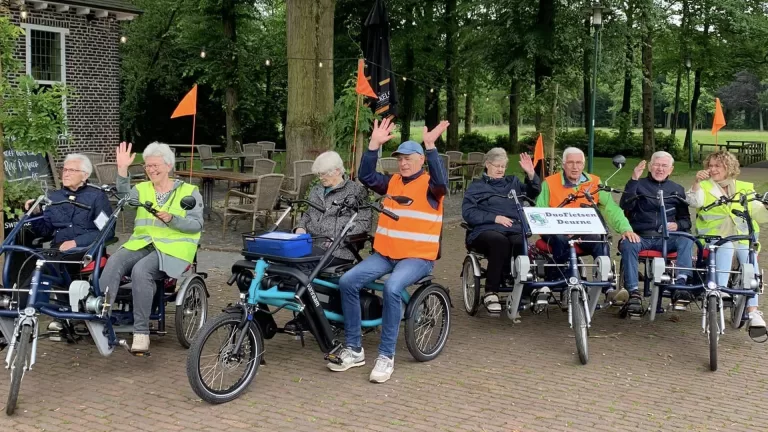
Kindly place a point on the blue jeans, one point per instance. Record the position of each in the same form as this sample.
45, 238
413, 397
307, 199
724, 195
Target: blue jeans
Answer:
631, 251
404, 273
724, 259
561, 251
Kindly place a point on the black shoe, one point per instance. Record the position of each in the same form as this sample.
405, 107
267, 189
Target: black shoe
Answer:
681, 299
633, 306
295, 325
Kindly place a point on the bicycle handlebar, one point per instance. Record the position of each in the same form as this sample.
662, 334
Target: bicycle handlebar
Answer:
291, 202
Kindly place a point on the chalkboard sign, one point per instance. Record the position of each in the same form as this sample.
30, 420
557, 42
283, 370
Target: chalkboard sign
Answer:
23, 165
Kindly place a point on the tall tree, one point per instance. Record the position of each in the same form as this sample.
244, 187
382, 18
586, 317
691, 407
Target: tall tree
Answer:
310, 77
229, 22
452, 73
649, 145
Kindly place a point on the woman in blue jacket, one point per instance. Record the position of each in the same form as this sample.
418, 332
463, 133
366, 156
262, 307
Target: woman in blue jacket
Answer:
494, 220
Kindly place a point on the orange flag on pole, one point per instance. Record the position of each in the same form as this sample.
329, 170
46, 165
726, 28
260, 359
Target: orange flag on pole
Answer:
363, 87
719, 121
538, 153
188, 105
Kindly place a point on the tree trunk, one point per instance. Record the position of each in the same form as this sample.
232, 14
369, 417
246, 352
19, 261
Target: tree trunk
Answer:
514, 116
309, 26
759, 114
683, 52
468, 113
542, 63
549, 123
229, 21
432, 113
676, 111
452, 71
406, 109
648, 118
586, 68
694, 105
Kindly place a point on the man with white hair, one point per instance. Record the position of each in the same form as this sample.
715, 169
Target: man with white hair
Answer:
573, 180
645, 219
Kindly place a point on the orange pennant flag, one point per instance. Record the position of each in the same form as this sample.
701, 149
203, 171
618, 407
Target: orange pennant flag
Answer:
538, 151
719, 121
363, 87
188, 105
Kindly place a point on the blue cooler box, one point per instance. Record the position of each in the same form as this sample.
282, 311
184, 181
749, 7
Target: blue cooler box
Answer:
281, 244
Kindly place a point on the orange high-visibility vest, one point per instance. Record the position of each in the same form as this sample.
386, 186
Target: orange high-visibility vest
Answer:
417, 233
558, 192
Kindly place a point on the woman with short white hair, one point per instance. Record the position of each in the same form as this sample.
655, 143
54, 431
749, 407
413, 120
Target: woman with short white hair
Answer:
162, 244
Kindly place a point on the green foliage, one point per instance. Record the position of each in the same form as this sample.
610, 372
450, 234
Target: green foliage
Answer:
475, 142
501, 141
16, 194
33, 117
342, 122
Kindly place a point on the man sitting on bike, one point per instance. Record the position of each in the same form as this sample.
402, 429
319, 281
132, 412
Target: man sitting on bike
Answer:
406, 248
572, 181
644, 217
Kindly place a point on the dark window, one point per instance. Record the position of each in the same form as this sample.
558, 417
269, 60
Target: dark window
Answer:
46, 55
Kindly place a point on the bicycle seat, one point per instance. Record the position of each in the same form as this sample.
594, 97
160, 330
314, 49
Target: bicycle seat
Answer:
647, 253
542, 245
92, 266
336, 270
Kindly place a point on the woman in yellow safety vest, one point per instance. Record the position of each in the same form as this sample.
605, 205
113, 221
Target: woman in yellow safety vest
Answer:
716, 180
161, 244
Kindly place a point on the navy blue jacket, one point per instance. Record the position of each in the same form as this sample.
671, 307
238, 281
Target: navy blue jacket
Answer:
378, 182
480, 213
643, 213
67, 222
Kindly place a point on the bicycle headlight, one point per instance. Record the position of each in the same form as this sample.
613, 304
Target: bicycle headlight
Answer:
712, 285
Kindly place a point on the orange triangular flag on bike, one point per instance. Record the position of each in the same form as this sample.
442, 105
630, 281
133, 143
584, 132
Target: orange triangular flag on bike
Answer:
188, 105
538, 151
363, 87
719, 121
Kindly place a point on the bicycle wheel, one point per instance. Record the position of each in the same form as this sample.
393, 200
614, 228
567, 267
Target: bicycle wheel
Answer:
579, 322
737, 311
191, 313
18, 366
427, 328
211, 359
713, 327
470, 286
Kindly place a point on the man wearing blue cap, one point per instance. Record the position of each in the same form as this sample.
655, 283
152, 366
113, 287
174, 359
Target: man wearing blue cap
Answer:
405, 249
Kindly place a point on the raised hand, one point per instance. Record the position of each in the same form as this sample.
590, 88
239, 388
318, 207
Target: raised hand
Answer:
702, 175
638, 171
430, 137
526, 163
381, 133
124, 158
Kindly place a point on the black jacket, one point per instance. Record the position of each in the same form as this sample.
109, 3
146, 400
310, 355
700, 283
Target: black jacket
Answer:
480, 213
643, 213
67, 222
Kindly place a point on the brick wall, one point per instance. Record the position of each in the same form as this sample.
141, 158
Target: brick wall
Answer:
92, 73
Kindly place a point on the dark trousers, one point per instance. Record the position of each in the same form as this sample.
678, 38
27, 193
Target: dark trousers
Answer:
498, 248
561, 251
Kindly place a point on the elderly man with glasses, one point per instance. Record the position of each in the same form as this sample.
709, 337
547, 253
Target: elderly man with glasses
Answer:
643, 214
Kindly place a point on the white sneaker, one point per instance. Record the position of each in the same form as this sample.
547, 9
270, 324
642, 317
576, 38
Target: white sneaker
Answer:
349, 359
140, 343
491, 302
756, 322
382, 369
620, 296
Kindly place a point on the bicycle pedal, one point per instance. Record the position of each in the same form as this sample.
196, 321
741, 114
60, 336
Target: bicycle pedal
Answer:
680, 306
635, 317
333, 358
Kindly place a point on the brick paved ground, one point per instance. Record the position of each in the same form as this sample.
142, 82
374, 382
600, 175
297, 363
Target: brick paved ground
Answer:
492, 376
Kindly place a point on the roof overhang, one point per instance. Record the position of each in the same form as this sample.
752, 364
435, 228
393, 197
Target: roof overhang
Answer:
83, 8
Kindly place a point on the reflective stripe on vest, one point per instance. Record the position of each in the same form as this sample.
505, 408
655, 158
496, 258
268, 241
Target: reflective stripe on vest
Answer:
416, 234
149, 229
558, 192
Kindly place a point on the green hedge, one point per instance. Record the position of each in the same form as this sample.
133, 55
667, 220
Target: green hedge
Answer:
608, 144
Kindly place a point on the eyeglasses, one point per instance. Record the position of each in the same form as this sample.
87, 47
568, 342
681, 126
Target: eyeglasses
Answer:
662, 166
153, 166
326, 174
575, 163
70, 171
499, 167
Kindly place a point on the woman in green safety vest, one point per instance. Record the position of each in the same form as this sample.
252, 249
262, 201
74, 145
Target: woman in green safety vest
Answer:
161, 244
716, 180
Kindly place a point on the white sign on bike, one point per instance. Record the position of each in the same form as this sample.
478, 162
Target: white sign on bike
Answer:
550, 220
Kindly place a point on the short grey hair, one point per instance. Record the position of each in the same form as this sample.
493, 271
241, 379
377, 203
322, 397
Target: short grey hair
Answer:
662, 154
573, 150
162, 150
327, 162
85, 163
495, 154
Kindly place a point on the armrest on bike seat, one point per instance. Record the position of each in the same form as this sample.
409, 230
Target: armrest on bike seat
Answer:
466, 226
358, 239
37, 242
111, 241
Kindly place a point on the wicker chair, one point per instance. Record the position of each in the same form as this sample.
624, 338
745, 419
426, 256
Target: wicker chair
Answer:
106, 174
299, 191
300, 167
261, 202
95, 158
252, 151
453, 178
137, 173
389, 165
454, 156
474, 171
263, 166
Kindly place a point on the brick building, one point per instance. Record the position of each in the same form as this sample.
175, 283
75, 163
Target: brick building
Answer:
77, 43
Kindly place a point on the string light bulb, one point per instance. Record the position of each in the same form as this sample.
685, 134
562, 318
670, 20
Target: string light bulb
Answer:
431, 90
123, 39
202, 53
268, 63
320, 64
24, 13
405, 79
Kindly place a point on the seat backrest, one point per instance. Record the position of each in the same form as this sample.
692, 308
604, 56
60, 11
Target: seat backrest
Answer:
206, 157
106, 173
389, 164
301, 167
137, 171
267, 145
454, 156
303, 182
95, 158
238, 147
253, 149
445, 160
263, 166
475, 156
267, 191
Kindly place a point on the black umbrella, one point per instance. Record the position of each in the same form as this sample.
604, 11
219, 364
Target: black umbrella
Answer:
378, 62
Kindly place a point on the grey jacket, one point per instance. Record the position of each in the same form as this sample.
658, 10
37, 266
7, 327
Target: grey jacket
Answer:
332, 221
192, 223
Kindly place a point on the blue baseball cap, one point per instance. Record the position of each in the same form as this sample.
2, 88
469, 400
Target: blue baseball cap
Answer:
408, 147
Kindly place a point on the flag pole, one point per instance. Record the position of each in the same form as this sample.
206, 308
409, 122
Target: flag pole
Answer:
192, 153
354, 142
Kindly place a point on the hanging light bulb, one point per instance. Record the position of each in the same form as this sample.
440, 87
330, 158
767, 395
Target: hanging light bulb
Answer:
431, 90
123, 39
465, 95
405, 79
24, 13
202, 53
268, 63
320, 64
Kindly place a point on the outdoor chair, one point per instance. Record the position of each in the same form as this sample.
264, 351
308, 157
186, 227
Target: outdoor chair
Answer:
299, 191
474, 171
106, 174
389, 165
261, 202
453, 178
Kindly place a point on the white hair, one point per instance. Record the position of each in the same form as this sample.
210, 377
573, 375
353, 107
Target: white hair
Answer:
662, 154
327, 162
85, 163
161, 150
496, 154
572, 150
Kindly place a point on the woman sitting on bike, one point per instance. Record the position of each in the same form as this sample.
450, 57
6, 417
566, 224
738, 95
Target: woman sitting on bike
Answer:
161, 244
719, 179
333, 188
494, 220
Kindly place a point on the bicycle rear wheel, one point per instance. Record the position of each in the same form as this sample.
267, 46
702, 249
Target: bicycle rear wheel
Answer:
579, 322
18, 367
713, 328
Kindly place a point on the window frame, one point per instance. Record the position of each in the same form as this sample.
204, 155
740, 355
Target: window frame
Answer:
63, 32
